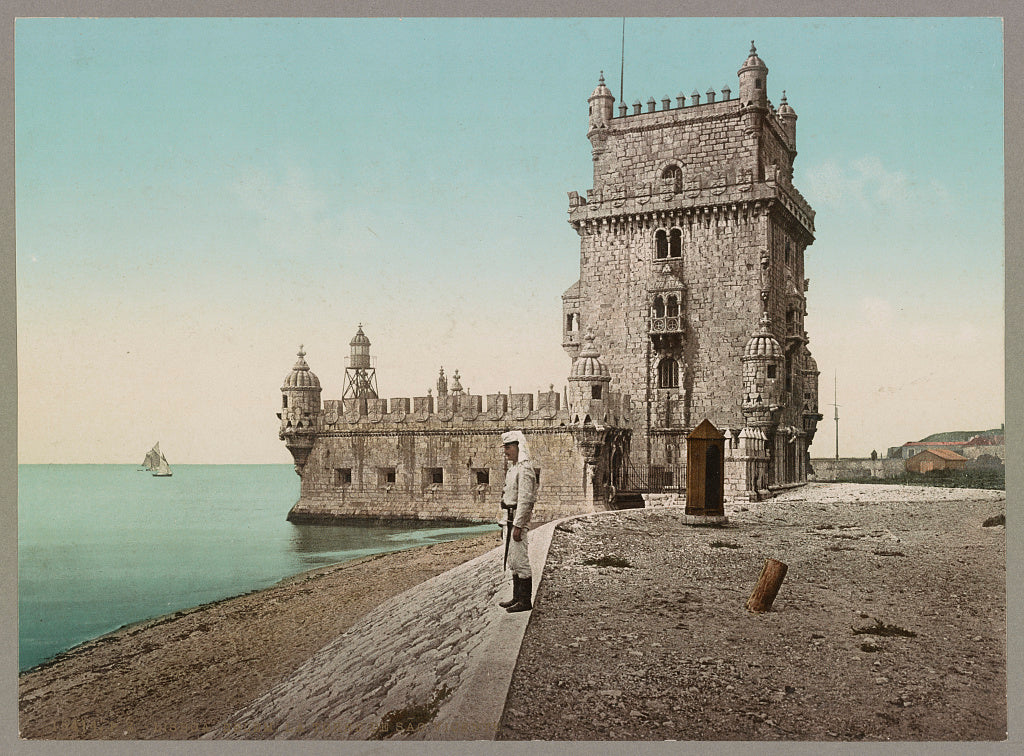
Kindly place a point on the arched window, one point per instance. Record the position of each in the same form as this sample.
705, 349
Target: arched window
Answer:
675, 243
660, 244
675, 173
659, 307
668, 373
672, 309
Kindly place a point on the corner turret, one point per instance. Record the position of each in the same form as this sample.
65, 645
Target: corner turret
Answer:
602, 102
762, 372
588, 383
788, 117
810, 413
300, 410
753, 81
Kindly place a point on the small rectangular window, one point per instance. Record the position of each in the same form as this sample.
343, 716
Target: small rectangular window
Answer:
771, 371
433, 475
385, 475
342, 476
482, 476
284, 401
595, 391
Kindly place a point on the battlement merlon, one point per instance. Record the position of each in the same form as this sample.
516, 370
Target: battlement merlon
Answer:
425, 412
782, 120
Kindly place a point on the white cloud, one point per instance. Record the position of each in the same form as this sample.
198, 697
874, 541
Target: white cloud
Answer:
866, 180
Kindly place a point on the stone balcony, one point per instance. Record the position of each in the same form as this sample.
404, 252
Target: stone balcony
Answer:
666, 332
666, 325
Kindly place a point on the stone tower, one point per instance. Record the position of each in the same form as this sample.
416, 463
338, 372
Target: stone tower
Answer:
692, 244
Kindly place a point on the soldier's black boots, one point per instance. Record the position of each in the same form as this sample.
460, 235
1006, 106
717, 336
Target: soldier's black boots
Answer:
522, 592
515, 594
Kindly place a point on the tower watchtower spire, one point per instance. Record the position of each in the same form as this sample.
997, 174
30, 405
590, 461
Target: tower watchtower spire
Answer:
360, 376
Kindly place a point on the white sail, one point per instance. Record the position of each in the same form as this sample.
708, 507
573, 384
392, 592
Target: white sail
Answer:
163, 470
152, 460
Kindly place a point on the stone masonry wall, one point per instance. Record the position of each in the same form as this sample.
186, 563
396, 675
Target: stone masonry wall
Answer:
733, 201
719, 267
831, 469
391, 474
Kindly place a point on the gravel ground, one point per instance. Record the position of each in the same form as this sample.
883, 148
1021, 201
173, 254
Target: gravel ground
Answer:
664, 649
660, 649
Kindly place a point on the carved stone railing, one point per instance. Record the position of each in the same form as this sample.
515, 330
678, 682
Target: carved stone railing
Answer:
667, 324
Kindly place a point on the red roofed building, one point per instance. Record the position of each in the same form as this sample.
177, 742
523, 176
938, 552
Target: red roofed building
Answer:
935, 459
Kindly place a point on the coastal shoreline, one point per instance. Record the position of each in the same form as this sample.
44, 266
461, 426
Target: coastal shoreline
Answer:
178, 675
890, 625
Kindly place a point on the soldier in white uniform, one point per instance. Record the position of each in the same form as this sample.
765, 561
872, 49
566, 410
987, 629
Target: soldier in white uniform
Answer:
517, 499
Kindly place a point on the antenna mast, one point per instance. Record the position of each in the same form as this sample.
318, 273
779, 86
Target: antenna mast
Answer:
835, 399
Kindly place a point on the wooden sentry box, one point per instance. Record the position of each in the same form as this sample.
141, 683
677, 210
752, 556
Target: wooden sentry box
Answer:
705, 471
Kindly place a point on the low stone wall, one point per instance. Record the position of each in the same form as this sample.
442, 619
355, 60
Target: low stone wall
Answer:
852, 469
973, 452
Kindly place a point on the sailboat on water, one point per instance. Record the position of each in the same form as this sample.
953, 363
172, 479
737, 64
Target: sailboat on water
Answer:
156, 462
152, 460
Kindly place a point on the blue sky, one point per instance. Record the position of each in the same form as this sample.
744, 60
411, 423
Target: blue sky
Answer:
197, 197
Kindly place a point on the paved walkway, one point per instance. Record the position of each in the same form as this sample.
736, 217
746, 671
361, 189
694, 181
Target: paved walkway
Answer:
444, 646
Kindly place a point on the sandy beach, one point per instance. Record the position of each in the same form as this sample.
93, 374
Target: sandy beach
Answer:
178, 676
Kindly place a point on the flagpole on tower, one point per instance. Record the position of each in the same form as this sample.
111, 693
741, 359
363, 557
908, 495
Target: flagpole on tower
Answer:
622, 60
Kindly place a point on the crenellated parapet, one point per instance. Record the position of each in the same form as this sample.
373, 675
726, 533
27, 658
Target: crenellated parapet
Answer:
695, 175
639, 115
446, 412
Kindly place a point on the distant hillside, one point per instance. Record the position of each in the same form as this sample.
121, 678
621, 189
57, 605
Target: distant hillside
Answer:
960, 436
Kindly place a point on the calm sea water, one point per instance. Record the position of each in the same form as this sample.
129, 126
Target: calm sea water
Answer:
100, 546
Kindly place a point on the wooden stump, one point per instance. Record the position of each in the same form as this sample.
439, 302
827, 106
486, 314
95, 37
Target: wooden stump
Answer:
772, 575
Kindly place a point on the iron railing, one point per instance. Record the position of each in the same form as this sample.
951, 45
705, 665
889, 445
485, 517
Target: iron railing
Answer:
652, 479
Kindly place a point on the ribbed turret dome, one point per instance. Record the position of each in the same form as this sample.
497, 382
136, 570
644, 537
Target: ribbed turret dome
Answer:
360, 338
601, 90
784, 108
762, 344
301, 376
588, 365
752, 60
